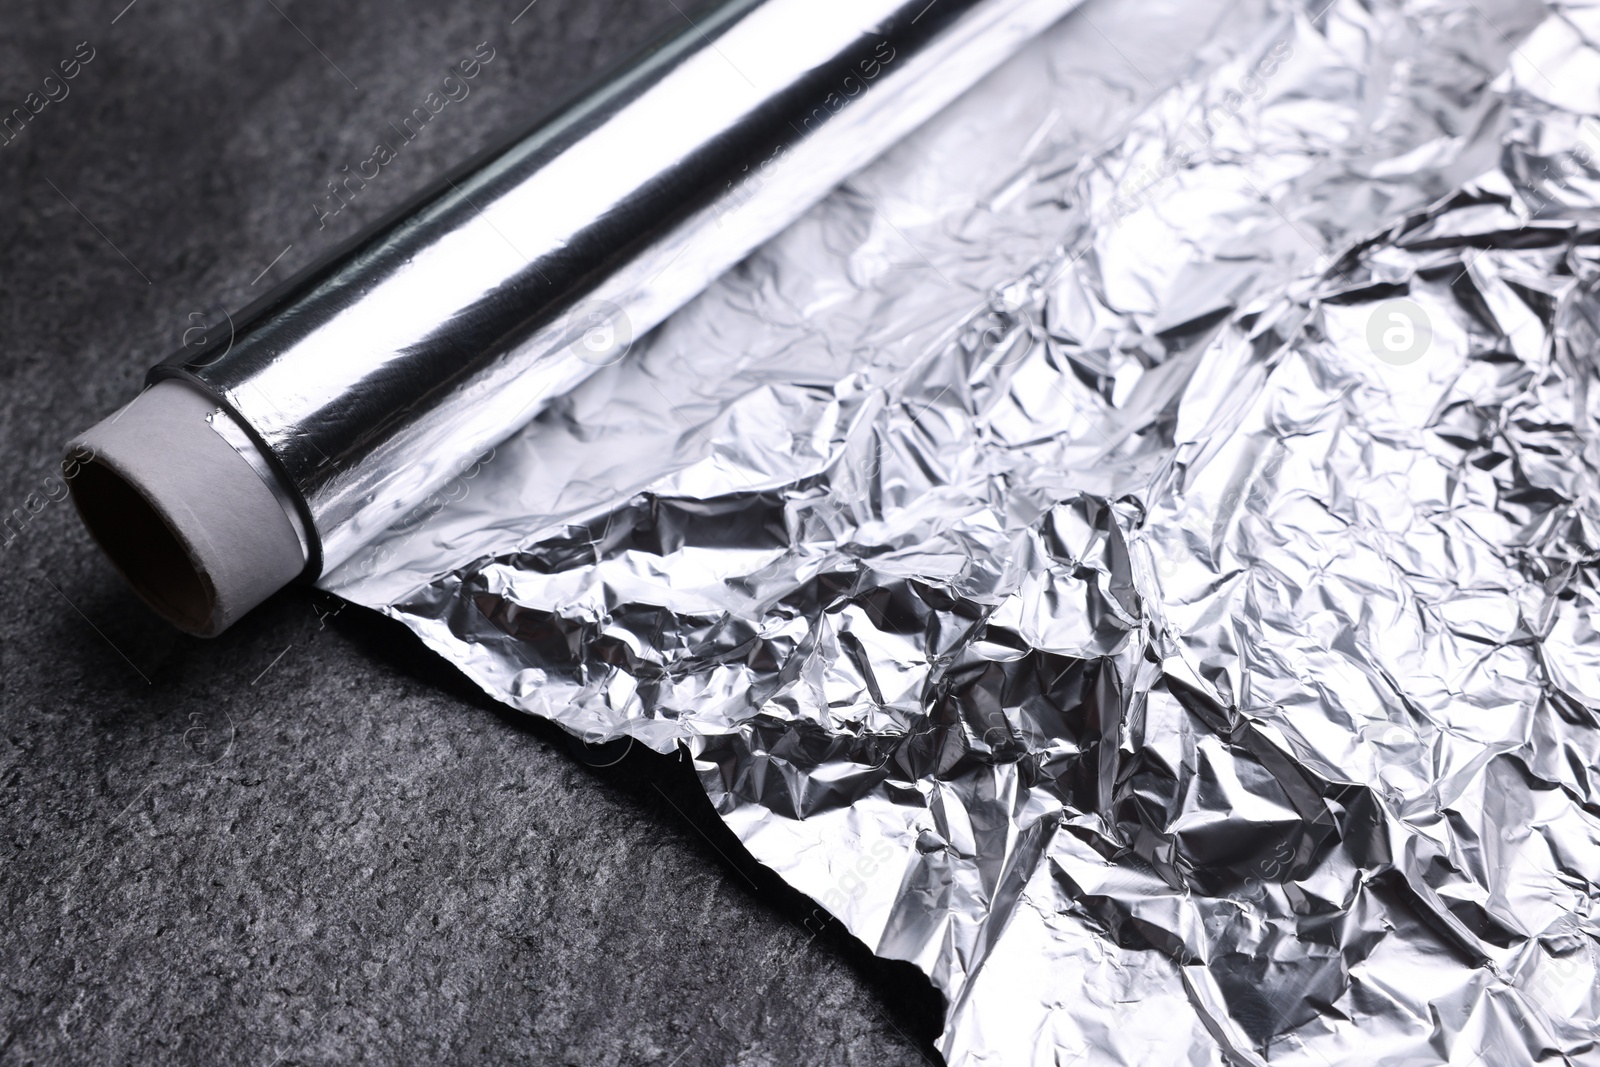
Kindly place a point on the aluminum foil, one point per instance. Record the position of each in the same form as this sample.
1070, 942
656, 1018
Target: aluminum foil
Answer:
376, 378
1131, 553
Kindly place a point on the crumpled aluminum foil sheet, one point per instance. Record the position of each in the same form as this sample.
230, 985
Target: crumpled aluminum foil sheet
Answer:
1132, 552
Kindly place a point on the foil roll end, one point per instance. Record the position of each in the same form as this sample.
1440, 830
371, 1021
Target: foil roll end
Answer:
189, 522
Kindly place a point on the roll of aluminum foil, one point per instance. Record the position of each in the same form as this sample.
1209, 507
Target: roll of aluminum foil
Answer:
1132, 551
382, 376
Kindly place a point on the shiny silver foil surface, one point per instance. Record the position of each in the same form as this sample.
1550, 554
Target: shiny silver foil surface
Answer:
382, 375
1132, 551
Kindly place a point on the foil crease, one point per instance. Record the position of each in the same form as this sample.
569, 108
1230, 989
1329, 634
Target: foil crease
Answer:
1130, 553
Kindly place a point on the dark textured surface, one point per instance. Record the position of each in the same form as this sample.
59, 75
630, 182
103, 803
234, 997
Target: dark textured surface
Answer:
308, 841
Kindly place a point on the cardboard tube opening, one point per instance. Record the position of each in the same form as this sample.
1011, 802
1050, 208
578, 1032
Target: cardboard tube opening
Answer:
198, 530
142, 547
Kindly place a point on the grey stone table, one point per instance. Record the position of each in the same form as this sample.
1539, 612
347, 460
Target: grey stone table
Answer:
309, 841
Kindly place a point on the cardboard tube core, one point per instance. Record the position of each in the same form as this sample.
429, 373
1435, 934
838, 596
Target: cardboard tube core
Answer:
188, 521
